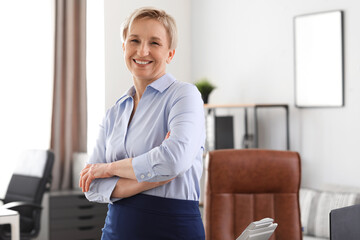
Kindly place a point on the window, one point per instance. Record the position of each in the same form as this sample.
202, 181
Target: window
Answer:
26, 79
95, 67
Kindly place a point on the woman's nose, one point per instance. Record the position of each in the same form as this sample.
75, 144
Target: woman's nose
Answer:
143, 50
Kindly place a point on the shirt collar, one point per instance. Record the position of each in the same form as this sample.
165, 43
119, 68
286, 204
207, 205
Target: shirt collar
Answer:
160, 85
129, 93
163, 82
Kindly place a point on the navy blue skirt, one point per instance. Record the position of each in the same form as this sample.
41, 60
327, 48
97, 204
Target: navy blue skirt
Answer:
150, 217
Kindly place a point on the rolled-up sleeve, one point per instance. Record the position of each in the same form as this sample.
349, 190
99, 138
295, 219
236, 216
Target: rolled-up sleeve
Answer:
101, 190
177, 153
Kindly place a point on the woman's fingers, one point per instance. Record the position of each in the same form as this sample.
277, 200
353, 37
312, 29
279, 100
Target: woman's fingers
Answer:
87, 183
167, 135
84, 182
82, 174
90, 172
83, 179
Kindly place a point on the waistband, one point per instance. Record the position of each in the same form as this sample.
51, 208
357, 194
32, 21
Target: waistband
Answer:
161, 205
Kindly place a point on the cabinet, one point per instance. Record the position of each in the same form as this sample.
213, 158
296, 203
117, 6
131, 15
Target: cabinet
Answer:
69, 215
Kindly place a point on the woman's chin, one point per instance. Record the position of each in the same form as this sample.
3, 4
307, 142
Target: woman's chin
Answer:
146, 77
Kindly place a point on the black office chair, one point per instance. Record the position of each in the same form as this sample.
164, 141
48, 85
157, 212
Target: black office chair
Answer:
344, 223
30, 180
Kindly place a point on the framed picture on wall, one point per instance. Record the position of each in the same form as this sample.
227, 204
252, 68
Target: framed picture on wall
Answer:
319, 61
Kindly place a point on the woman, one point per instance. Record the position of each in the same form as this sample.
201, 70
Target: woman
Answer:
147, 162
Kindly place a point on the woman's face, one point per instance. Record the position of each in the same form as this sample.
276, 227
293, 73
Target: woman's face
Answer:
146, 50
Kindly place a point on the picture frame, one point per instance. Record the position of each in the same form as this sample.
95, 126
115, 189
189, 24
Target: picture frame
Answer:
319, 59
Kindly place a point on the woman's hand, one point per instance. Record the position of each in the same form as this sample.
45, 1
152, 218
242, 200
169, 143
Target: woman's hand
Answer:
92, 171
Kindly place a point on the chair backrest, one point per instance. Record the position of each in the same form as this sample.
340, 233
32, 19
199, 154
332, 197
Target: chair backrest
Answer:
243, 186
344, 223
31, 176
30, 180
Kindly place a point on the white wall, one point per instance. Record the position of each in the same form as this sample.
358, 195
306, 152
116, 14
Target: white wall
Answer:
118, 78
246, 49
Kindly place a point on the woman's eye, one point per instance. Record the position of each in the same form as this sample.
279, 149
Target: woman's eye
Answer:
134, 40
155, 43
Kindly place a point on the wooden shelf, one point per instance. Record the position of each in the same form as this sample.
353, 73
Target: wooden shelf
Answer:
212, 110
243, 105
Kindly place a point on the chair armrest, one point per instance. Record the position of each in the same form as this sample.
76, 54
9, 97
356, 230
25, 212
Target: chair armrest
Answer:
12, 205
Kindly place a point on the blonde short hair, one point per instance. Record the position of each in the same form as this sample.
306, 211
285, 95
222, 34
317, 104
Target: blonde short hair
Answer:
157, 14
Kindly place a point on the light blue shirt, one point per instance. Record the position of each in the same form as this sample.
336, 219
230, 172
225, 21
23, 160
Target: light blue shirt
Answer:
166, 105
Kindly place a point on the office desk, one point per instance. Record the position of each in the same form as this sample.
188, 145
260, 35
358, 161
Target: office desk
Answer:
11, 217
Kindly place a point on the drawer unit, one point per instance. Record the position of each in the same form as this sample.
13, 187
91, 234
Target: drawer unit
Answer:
72, 216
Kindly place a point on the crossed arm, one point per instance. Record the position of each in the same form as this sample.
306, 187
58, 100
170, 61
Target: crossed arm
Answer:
126, 186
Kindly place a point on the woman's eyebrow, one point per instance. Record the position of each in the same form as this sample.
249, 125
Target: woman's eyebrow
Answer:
152, 38
155, 38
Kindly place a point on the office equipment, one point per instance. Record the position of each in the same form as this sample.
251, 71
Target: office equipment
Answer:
344, 223
248, 184
224, 132
259, 230
30, 180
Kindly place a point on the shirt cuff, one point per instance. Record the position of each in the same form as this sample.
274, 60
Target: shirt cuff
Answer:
142, 169
101, 189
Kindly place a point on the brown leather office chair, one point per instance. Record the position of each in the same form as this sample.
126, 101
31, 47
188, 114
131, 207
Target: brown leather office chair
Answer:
247, 185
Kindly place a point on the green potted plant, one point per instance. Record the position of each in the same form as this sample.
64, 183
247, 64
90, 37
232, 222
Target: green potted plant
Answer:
205, 88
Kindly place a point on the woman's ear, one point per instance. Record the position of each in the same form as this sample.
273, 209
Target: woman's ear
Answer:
170, 57
123, 46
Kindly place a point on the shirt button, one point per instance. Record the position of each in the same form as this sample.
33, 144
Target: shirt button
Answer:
142, 176
149, 174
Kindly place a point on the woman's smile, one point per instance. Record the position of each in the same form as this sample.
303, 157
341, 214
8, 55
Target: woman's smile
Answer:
142, 62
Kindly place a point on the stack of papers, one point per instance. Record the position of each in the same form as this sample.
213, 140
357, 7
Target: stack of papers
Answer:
259, 230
